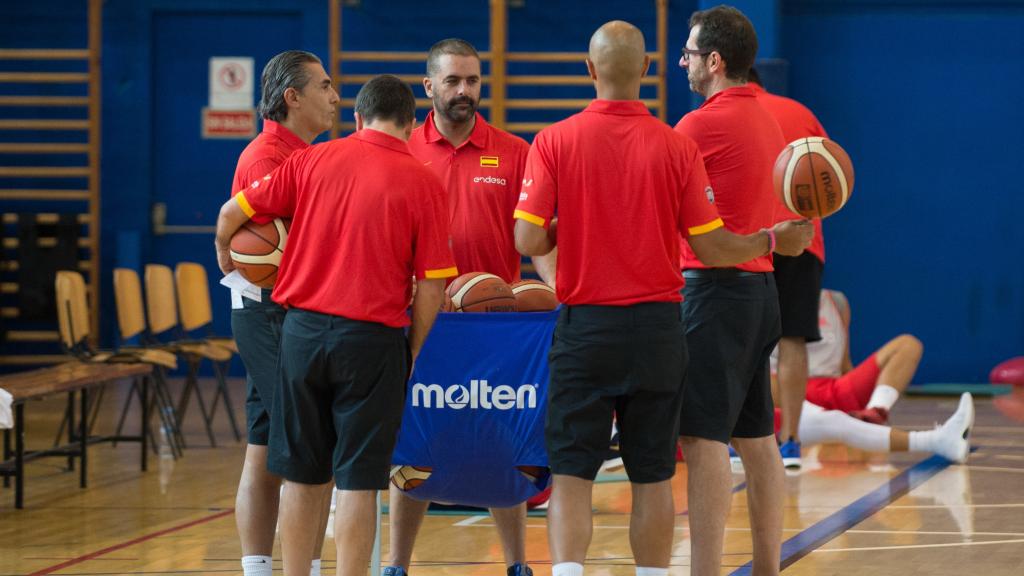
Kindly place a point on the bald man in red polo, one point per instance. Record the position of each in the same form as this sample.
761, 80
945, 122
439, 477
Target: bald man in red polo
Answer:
625, 188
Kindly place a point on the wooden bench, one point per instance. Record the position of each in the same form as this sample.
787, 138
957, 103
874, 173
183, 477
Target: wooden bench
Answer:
69, 378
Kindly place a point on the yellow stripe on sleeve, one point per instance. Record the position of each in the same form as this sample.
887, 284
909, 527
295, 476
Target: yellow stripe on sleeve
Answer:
443, 273
532, 219
705, 228
243, 203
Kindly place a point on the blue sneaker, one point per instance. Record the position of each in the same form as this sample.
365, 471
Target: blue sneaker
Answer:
519, 570
393, 571
790, 451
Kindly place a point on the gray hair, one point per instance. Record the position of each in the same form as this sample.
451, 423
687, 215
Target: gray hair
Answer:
284, 71
448, 46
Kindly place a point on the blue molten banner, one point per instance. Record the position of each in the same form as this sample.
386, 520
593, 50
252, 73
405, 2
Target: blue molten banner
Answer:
474, 409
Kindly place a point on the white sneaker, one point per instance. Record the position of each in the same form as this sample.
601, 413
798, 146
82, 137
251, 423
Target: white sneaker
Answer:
952, 440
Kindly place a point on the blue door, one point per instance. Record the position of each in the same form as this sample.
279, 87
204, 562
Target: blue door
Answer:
192, 176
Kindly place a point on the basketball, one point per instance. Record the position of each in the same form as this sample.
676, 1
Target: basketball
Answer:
813, 177
534, 296
406, 478
256, 250
481, 292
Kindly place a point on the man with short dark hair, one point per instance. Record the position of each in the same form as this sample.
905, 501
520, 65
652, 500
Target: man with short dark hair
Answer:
732, 314
482, 168
625, 188
344, 357
297, 104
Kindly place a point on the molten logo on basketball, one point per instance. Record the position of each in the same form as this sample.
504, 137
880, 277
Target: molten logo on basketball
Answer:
478, 395
830, 189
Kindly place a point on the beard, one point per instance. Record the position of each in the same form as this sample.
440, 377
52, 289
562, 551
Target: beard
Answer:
453, 111
698, 81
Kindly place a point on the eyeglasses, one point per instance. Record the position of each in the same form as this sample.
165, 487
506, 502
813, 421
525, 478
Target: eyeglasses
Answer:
687, 52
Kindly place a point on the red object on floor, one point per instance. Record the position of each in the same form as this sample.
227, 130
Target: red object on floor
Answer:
679, 454
539, 499
1009, 372
1011, 405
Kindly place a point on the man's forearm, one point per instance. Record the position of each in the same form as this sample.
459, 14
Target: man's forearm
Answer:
425, 306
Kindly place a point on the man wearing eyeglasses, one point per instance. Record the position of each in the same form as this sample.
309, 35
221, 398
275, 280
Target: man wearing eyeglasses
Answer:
732, 314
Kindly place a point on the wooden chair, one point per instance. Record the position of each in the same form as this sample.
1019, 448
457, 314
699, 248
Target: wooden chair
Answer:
162, 311
131, 323
74, 328
193, 290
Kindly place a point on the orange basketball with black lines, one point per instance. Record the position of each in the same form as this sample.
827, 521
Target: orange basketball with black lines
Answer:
534, 296
256, 250
407, 478
481, 292
813, 177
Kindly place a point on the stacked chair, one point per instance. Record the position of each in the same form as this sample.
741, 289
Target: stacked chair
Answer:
75, 332
190, 293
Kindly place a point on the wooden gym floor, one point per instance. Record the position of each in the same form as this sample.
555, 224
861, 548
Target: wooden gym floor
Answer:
846, 512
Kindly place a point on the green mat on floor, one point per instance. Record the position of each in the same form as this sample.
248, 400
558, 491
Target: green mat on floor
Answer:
952, 388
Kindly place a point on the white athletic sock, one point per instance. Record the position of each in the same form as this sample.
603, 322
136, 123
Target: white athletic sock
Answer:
314, 569
922, 441
257, 566
884, 396
817, 426
567, 569
646, 571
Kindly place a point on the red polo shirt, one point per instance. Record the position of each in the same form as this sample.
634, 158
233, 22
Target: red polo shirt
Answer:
796, 121
482, 177
366, 216
266, 151
739, 141
624, 187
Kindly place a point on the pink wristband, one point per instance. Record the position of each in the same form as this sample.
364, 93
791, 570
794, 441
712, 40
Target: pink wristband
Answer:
771, 239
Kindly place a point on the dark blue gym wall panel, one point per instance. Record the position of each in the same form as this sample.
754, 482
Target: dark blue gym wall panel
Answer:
140, 168
925, 96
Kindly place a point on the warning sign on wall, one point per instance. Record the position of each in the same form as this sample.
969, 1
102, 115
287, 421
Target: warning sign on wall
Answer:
231, 83
229, 123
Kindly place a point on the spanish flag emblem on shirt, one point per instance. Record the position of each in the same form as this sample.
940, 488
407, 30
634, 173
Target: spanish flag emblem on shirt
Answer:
488, 161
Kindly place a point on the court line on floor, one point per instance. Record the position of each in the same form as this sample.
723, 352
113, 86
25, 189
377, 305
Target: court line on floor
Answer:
470, 521
955, 506
973, 468
132, 542
910, 546
849, 516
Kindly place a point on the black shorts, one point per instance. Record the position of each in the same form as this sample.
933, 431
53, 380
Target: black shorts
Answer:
732, 325
798, 279
257, 331
629, 361
340, 402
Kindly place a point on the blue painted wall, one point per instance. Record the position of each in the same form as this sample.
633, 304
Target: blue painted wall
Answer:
923, 94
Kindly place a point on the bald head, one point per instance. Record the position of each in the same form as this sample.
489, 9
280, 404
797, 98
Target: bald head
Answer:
617, 53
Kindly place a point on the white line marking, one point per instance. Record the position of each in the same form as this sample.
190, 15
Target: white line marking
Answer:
471, 520
911, 546
973, 468
956, 506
